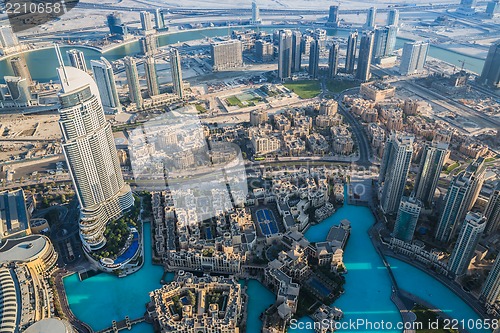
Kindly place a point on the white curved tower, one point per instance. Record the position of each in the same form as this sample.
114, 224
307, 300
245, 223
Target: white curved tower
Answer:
91, 156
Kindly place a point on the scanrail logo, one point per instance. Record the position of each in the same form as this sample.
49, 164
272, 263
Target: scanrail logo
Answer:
26, 14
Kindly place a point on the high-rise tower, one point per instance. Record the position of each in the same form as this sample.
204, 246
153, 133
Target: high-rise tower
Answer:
285, 54
134, 88
159, 19
146, 21
333, 61
490, 75
371, 16
314, 59
333, 16
431, 164
393, 17
176, 70
296, 52
407, 218
352, 46
461, 196
491, 287
151, 77
384, 41
467, 241
91, 156
365, 56
77, 59
255, 14
105, 79
394, 171
492, 211
20, 68
414, 57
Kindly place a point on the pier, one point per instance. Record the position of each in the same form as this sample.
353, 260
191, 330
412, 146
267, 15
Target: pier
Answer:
125, 324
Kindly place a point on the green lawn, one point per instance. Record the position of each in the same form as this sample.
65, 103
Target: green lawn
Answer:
234, 101
426, 316
305, 88
337, 86
452, 167
200, 108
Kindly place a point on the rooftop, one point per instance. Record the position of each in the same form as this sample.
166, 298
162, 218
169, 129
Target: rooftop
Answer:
22, 249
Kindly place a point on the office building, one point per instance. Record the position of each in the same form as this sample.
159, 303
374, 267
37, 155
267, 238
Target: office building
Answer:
371, 16
492, 211
352, 46
333, 61
470, 233
493, 8
176, 70
149, 45
90, 153
433, 158
134, 88
490, 292
159, 19
333, 17
407, 218
296, 51
384, 41
460, 198
285, 54
255, 14
320, 36
14, 216
19, 93
363, 71
77, 59
20, 68
414, 57
8, 40
264, 51
106, 84
115, 25
226, 54
393, 17
394, 171
146, 21
314, 59
151, 77
490, 75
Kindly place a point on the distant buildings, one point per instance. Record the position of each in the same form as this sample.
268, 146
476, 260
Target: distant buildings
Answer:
20, 68
105, 79
296, 51
490, 75
149, 45
394, 171
134, 88
493, 8
433, 158
151, 77
371, 16
333, 17
227, 54
314, 59
14, 216
16, 93
264, 51
285, 50
363, 70
146, 21
333, 61
115, 25
176, 70
255, 14
414, 57
159, 19
352, 45
384, 41
8, 40
461, 196
393, 17
407, 218
91, 156
492, 211
464, 249
77, 59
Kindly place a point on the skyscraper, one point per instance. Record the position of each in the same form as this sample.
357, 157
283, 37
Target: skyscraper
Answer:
407, 218
90, 153
461, 196
146, 21
176, 70
465, 246
20, 68
151, 77
8, 39
296, 51
365, 56
19, 90
490, 292
493, 8
77, 59
394, 170
314, 59
352, 46
492, 211
431, 164
105, 79
149, 44
384, 41
226, 54
393, 17
490, 75
285, 54
333, 17
414, 57
115, 25
134, 88
333, 61
159, 19
255, 14
371, 16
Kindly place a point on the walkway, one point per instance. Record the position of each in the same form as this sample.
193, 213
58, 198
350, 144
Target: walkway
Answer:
122, 325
